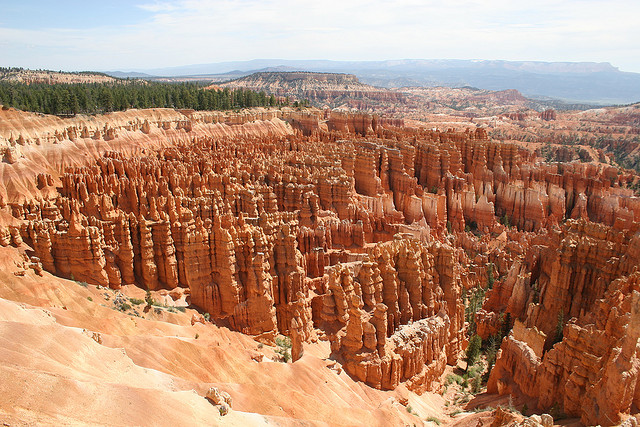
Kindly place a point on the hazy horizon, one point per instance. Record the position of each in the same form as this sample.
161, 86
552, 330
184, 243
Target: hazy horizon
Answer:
285, 60
121, 35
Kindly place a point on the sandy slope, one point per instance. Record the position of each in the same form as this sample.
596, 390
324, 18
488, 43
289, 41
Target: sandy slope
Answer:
52, 156
152, 370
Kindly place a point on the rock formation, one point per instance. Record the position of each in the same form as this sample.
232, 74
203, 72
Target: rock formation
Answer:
321, 224
576, 310
330, 88
396, 316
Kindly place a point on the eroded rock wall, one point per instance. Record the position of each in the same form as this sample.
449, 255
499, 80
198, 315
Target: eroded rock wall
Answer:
396, 316
339, 226
576, 346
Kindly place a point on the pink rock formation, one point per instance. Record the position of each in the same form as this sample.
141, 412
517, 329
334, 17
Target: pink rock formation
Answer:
331, 224
585, 286
399, 318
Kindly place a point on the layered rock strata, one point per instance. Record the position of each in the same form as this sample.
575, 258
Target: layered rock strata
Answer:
329, 224
396, 316
575, 300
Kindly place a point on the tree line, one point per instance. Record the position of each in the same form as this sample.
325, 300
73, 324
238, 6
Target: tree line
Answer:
4, 71
96, 98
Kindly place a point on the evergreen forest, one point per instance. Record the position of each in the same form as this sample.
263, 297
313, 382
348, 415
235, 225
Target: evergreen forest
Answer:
96, 98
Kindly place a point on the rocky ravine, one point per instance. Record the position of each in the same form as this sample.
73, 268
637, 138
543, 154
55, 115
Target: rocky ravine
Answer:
348, 229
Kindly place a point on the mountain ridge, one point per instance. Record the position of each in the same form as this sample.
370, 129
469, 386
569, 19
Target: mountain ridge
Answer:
591, 82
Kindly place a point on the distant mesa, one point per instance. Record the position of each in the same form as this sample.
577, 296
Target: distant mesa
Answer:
586, 82
331, 88
21, 75
128, 74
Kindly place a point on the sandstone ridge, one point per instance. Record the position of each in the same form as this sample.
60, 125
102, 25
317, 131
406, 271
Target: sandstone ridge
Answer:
331, 88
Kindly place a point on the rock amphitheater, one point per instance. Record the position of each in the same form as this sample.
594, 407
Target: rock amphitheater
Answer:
358, 237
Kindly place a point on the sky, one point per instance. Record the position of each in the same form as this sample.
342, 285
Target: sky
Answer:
125, 35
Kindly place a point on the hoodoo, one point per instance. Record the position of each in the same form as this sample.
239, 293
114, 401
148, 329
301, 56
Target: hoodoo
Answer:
388, 258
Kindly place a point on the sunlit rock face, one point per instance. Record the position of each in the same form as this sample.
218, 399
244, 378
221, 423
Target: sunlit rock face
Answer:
346, 227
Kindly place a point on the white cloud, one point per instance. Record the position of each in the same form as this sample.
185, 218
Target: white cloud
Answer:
198, 31
158, 7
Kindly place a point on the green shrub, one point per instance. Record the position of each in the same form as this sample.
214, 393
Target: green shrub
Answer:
453, 378
493, 344
473, 371
505, 220
490, 279
473, 303
473, 350
149, 299
476, 384
434, 420
284, 348
559, 328
136, 301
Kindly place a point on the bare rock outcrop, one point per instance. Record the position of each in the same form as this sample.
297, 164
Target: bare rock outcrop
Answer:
346, 226
396, 316
576, 345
